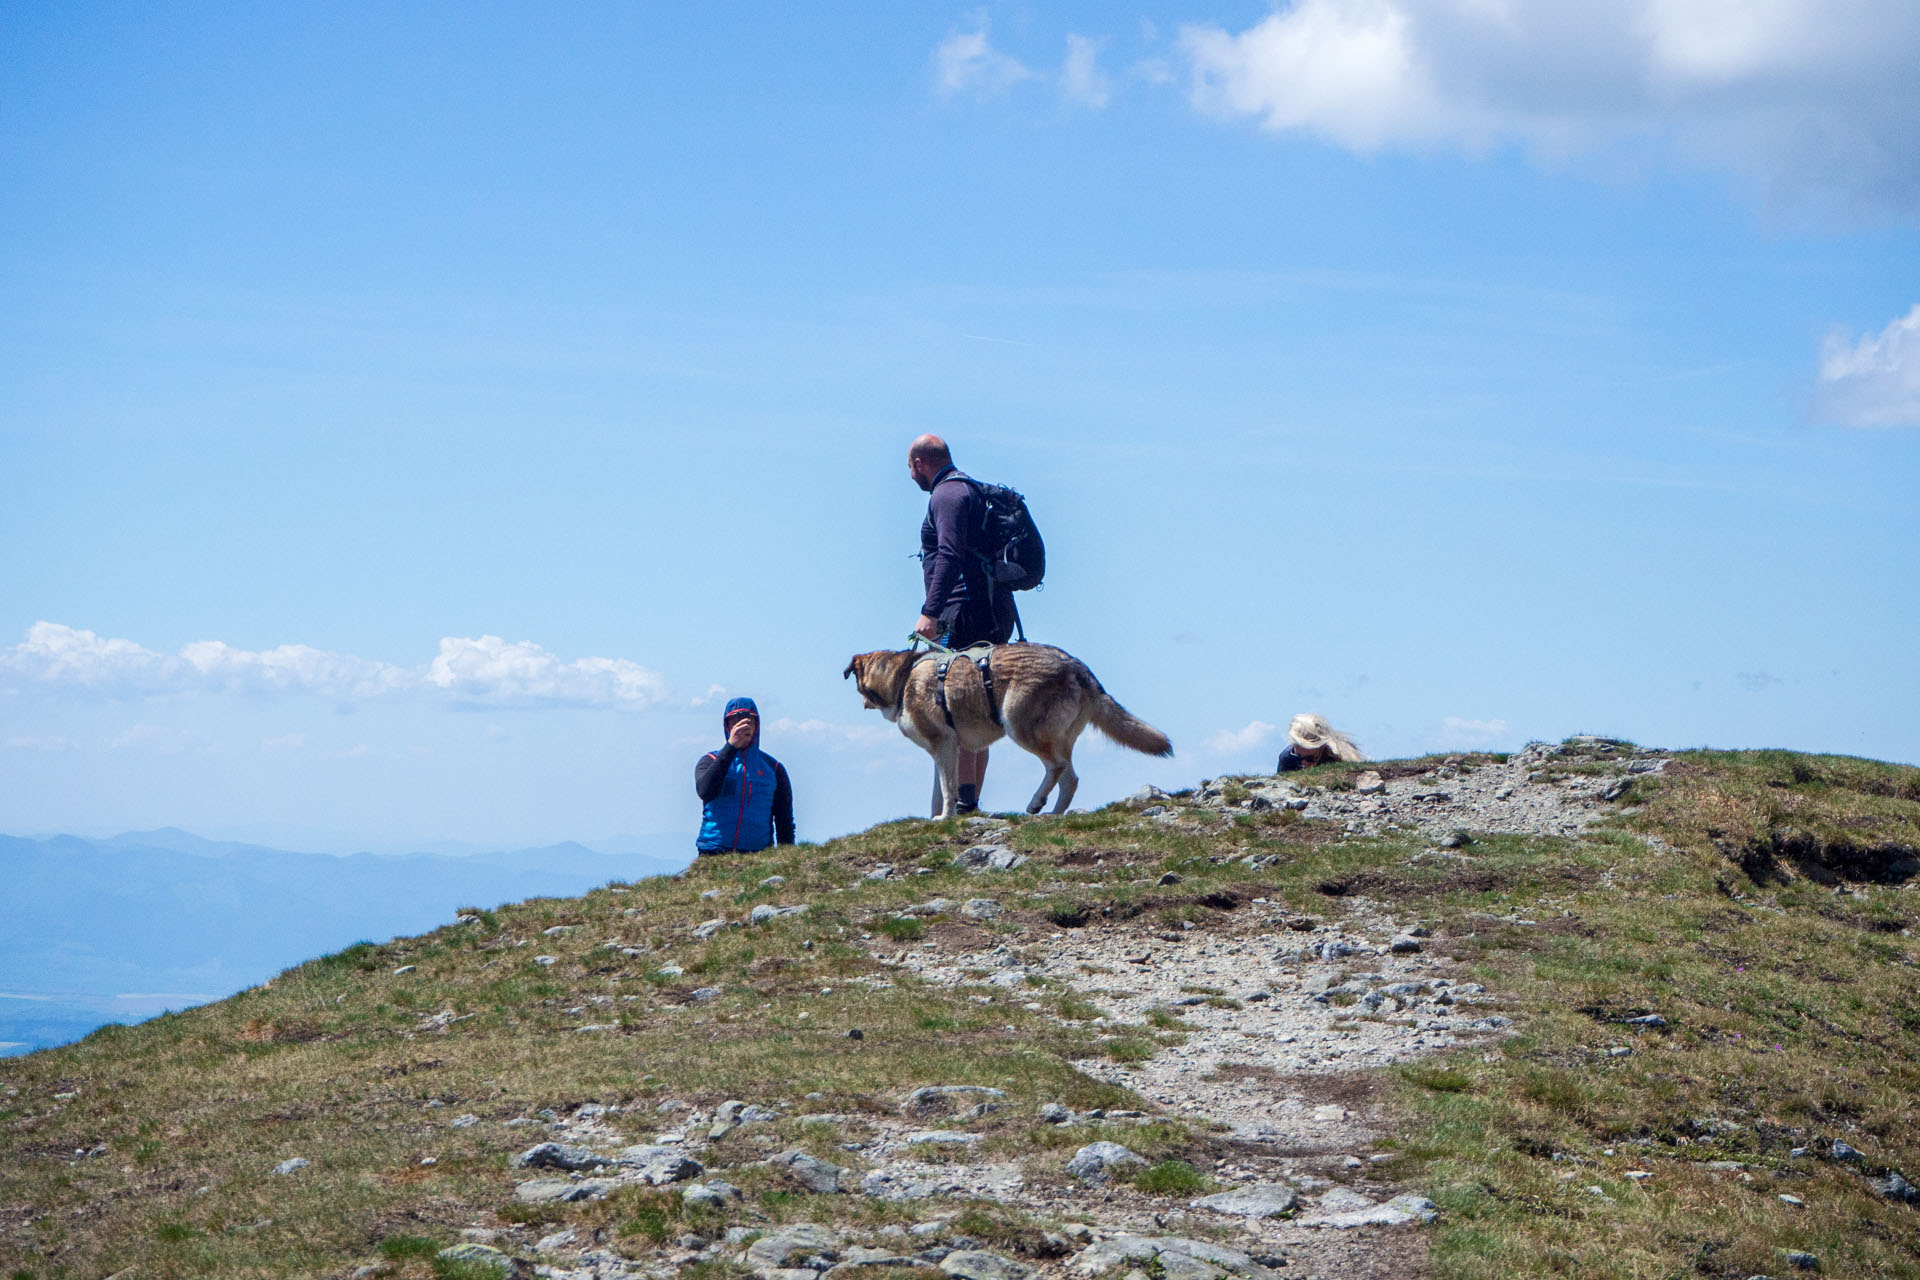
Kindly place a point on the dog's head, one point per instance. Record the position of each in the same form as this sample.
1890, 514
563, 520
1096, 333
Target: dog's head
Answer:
879, 676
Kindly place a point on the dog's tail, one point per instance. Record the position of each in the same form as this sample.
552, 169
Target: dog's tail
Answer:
1125, 728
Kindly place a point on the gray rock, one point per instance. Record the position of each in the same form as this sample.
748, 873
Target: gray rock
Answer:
734, 1111
702, 995
1843, 1151
1153, 811
1267, 1200
945, 1097
479, 1255
1173, 1254
707, 928
463, 1122
1896, 1187
713, 1194
1650, 1020
559, 1240
811, 1172
1369, 783
980, 909
931, 907
545, 961
1802, 1260
882, 872
767, 911
978, 1264
942, 1138
777, 1248
560, 1190
661, 1165
990, 857
1395, 1212
294, 1165
859, 1256
1184, 1266
554, 1155
1404, 945
1054, 1113
1095, 1163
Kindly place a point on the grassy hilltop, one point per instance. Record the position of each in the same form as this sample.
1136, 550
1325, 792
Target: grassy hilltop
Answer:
1761, 904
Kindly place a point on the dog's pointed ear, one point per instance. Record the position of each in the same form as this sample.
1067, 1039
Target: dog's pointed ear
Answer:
853, 665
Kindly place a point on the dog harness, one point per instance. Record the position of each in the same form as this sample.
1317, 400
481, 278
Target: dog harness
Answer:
979, 655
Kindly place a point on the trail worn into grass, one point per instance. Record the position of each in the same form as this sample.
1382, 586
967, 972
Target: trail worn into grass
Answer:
1558, 1002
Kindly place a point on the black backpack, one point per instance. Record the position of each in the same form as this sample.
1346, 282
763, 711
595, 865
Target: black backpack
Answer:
1010, 544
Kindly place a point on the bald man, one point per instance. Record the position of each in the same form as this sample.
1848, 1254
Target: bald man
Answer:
962, 604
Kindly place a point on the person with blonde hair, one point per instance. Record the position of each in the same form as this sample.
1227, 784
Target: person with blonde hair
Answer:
1311, 740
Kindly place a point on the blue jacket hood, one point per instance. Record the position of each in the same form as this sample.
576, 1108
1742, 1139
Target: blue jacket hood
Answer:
736, 705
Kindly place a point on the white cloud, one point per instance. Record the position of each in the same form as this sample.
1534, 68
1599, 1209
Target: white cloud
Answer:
30, 742
1081, 80
1875, 382
968, 63
492, 672
1808, 96
1458, 732
487, 671
826, 730
1232, 741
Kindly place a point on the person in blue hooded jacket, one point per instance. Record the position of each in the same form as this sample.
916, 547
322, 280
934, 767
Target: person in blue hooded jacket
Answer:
749, 802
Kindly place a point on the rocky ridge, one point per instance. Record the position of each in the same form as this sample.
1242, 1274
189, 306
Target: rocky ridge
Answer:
1281, 1019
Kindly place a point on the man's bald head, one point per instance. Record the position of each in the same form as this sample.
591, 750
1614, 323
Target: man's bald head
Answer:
930, 449
927, 457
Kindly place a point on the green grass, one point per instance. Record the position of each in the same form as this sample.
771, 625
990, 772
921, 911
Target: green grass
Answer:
902, 928
1773, 930
1170, 1178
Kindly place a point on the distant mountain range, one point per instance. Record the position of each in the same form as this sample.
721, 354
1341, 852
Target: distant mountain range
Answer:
98, 931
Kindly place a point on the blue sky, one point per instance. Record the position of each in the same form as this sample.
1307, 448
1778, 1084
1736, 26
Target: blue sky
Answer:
416, 421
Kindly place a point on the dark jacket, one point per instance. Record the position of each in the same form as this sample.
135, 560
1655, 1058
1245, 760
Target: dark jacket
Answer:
747, 796
1290, 760
960, 595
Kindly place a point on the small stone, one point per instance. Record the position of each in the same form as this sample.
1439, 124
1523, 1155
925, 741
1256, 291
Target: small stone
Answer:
1266, 1200
1095, 1163
774, 881
701, 995
709, 1195
989, 857
1653, 1021
1787, 1199
554, 1155
1800, 1259
1405, 944
544, 961
978, 1264
482, 1256
1369, 783
294, 1165
1843, 1151
463, 1122
946, 1097
1896, 1187
660, 1165
1054, 1113
405, 968
980, 909
559, 1240
560, 1190
855, 1033
707, 928
811, 1172
776, 1248
1169, 877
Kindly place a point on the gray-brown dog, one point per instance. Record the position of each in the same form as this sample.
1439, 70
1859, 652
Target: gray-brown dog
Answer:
1042, 698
